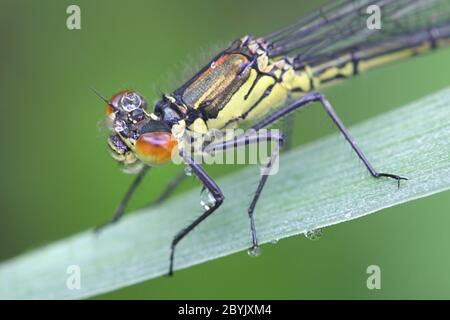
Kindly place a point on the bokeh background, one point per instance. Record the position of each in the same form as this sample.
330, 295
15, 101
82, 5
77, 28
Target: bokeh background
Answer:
57, 179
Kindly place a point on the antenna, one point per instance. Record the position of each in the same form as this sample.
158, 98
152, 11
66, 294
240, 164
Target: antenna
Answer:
100, 96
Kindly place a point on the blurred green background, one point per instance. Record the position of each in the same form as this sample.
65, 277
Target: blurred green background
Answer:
57, 177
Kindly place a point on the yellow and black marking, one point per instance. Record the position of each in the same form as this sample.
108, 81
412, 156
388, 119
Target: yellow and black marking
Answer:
243, 83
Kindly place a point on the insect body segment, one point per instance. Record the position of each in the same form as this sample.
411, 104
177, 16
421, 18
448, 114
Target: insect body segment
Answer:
239, 84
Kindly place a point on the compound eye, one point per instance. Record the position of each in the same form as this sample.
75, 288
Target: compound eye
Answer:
114, 101
130, 101
126, 100
155, 148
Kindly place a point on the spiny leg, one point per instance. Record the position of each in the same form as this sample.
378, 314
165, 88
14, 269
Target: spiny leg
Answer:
209, 184
252, 136
313, 97
122, 205
170, 188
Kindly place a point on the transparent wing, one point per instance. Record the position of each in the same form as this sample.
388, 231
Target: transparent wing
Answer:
342, 24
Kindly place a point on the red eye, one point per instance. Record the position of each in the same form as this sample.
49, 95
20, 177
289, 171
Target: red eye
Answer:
155, 148
114, 101
126, 100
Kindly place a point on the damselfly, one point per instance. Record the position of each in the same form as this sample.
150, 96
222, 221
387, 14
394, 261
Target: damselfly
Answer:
260, 80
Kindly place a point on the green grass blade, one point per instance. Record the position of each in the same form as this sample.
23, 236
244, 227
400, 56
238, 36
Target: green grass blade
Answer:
320, 184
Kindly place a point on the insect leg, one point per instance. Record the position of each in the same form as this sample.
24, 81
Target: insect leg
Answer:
122, 205
245, 139
209, 184
313, 97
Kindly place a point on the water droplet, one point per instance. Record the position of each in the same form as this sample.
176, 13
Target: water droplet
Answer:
131, 101
207, 200
314, 234
274, 241
254, 251
188, 171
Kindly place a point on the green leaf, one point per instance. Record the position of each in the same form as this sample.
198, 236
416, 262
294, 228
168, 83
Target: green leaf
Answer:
318, 185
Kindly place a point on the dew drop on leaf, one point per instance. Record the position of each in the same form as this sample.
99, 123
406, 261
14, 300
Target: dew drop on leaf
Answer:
314, 234
207, 200
254, 251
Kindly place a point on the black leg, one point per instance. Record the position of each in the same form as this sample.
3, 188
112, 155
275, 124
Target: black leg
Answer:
212, 187
122, 205
171, 186
315, 96
261, 184
253, 136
